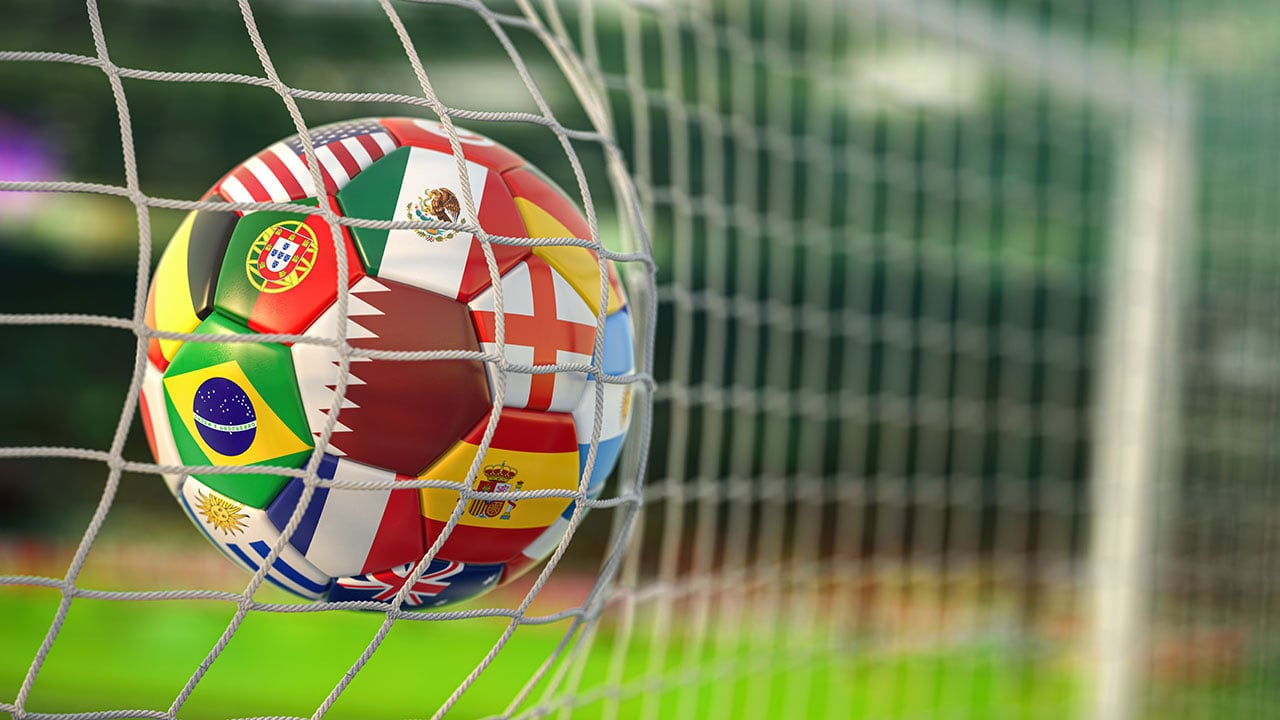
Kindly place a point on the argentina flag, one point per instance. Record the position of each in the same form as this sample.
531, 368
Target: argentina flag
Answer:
617, 358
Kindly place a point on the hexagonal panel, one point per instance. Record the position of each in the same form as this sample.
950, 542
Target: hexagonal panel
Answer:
397, 415
422, 185
246, 536
279, 173
546, 323
618, 358
352, 531
280, 271
236, 404
443, 583
529, 451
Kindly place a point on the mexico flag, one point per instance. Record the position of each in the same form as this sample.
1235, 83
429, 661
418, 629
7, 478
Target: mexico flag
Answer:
415, 184
530, 451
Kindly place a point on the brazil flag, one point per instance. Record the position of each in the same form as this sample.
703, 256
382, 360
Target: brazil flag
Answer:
236, 404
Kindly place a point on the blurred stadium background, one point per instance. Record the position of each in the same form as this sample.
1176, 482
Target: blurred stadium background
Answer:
966, 356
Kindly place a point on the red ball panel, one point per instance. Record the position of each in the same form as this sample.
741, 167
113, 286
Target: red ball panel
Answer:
432, 135
397, 415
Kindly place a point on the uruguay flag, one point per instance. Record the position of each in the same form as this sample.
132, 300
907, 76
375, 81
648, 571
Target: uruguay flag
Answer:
245, 535
346, 532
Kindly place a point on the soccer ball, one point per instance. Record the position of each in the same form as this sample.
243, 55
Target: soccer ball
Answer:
231, 273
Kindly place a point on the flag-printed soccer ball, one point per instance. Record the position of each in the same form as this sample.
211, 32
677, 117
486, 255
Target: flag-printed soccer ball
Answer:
228, 403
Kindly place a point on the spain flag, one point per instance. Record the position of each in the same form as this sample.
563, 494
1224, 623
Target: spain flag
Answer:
530, 451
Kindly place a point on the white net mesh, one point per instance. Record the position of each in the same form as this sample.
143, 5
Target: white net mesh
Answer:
956, 318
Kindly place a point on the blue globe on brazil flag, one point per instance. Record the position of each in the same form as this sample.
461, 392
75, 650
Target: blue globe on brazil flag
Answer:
224, 416
233, 401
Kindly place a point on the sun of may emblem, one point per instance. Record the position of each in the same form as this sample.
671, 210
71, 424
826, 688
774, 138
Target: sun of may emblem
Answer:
221, 513
281, 256
438, 204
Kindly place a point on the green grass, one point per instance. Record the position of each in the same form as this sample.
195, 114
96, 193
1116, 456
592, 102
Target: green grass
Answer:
126, 655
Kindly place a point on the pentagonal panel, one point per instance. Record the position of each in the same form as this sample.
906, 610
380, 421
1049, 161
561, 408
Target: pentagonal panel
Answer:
443, 583
422, 185
548, 213
618, 358
280, 270
547, 323
181, 293
245, 535
397, 415
236, 403
432, 136
279, 173
529, 451
349, 531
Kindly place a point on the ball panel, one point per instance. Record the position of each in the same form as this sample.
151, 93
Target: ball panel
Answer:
422, 185
279, 270
245, 535
211, 232
546, 323
280, 174
155, 422
180, 294
548, 212
617, 358
352, 531
236, 404
397, 415
534, 191
444, 582
529, 451
433, 136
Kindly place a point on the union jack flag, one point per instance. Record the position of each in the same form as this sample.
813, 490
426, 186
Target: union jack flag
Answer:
383, 586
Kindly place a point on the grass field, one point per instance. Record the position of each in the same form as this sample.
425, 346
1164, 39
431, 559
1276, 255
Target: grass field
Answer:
117, 655
123, 655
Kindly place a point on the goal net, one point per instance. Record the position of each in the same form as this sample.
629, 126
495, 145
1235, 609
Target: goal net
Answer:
955, 388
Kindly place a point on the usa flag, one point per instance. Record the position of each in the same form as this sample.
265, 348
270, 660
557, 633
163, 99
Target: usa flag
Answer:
280, 174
